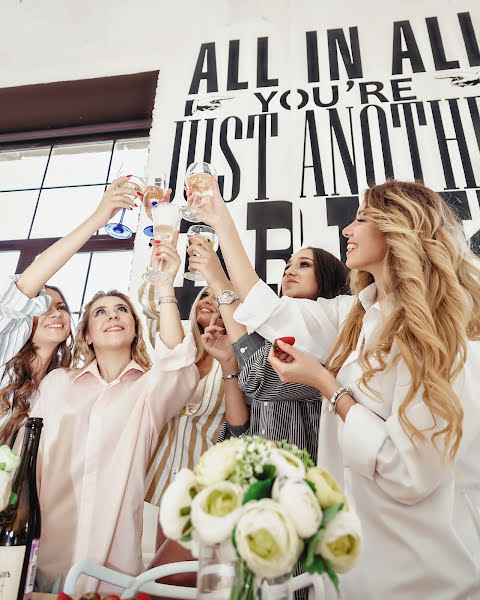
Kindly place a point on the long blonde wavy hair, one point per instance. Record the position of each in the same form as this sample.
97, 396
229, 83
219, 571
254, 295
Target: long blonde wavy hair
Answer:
84, 353
433, 273
197, 329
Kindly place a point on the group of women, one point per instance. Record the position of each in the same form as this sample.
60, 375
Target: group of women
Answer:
379, 387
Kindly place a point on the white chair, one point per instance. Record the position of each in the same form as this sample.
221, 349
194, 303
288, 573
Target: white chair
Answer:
146, 581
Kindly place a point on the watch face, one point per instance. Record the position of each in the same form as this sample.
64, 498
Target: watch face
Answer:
227, 297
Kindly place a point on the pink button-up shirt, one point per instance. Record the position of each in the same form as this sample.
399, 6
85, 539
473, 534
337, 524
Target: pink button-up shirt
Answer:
95, 446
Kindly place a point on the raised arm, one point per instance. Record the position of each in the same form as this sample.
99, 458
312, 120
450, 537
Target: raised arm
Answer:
52, 260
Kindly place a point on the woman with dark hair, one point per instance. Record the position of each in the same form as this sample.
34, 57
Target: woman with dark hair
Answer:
35, 323
270, 408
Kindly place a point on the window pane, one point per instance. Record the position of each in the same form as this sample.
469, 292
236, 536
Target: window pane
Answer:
79, 164
130, 155
71, 279
109, 270
8, 263
23, 168
61, 210
17, 210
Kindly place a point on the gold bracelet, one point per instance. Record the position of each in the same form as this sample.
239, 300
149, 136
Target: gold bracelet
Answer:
167, 300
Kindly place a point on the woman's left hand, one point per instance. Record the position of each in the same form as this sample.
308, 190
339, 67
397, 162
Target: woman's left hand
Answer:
301, 367
216, 342
165, 256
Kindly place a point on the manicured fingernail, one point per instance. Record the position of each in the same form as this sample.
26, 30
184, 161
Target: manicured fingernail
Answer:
135, 205
128, 175
140, 194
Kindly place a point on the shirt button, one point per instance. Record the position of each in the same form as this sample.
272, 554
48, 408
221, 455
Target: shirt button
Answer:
263, 432
265, 404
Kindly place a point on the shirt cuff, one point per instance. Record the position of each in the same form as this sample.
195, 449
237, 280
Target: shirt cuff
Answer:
363, 435
238, 430
16, 305
246, 346
257, 307
171, 359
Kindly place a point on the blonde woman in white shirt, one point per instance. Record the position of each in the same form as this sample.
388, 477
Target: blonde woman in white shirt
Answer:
404, 436
35, 323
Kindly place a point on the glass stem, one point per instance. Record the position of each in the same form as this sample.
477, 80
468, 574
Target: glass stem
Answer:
119, 226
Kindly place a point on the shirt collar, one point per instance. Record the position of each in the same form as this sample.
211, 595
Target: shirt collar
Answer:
368, 298
92, 368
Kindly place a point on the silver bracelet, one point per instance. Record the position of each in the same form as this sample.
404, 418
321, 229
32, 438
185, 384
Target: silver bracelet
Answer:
231, 376
332, 403
166, 300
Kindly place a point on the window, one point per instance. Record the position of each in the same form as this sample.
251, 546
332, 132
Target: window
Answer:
47, 191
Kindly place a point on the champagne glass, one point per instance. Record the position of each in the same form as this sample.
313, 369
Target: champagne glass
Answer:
209, 234
166, 219
198, 180
154, 193
118, 230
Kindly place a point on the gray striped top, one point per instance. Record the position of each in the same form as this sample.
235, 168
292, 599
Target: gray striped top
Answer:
16, 320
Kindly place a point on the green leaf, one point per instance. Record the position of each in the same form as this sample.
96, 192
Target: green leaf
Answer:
331, 573
13, 498
269, 472
330, 512
259, 489
185, 510
312, 544
186, 538
311, 485
187, 526
234, 541
317, 566
3, 466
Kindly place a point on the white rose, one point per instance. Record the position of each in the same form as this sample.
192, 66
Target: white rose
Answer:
215, 511
287, 464
266, 538
298, 499
176, 505
9, 461
328, 491
218, 462
5, 489
342, 541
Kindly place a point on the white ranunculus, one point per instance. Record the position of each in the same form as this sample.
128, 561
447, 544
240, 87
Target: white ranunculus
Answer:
342, 541
176, 505
266, 538
328, 491
287, 464
298, 499
218, 462
215, 511
9, 461
5, 489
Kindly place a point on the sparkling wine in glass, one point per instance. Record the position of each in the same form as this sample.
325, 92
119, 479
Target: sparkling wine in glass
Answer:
118, 230
209, 234
166, 219
198, 179
154, 193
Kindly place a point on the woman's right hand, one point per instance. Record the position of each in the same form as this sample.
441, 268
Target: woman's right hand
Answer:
203, 258
147, 205
116, 197
217, 344
165, 256
212, 209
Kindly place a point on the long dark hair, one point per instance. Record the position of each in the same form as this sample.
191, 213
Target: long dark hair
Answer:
331, 274
23, 383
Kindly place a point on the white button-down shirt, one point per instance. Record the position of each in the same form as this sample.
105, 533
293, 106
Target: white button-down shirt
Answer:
418, 534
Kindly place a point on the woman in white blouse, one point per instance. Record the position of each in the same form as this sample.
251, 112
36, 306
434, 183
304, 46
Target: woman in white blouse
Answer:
404, 437
35, 320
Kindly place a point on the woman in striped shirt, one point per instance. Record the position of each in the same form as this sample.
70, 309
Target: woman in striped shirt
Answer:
202, 423
35, 322
278, 411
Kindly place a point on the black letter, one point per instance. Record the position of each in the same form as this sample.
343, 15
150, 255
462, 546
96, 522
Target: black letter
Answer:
206, 51
352, 61
311, 126
262, 147
397, 90
438, 51
312, 57
469, 39
262, 64
233, 60
227, 152
412, 53
367, 143
364, 93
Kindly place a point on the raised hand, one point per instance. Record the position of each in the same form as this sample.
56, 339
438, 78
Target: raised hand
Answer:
165, 256
216, 342
203, 258
211, 208
148, 206
116, 197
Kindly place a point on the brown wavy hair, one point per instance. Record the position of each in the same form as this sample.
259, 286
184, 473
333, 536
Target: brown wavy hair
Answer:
84, 354
23, 382
433, 274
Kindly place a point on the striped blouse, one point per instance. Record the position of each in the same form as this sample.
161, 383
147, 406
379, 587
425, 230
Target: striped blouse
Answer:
16, 320
197, 427
278, 411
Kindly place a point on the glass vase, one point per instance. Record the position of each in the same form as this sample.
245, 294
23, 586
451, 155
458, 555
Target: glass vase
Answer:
216, 571
278, 588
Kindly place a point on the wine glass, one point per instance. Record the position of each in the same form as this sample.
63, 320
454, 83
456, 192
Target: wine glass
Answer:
166, 219
198, 180
209, 234
154, 192
118, 230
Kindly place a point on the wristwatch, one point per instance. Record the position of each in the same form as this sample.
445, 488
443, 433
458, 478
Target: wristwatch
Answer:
227, 297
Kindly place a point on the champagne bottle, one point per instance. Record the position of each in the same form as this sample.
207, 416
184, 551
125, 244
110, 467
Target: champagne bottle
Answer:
20, 522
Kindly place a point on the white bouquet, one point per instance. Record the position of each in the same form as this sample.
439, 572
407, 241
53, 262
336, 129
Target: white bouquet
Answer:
275, 506
9, 461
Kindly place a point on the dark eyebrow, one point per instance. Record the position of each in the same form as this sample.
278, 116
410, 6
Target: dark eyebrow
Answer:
300, 258
104, 306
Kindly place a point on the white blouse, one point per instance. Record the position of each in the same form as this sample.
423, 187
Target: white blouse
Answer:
16, 319
418, 534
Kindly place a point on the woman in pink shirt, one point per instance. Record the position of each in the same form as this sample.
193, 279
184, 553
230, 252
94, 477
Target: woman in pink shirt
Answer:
101, 423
